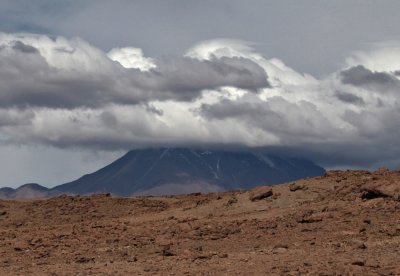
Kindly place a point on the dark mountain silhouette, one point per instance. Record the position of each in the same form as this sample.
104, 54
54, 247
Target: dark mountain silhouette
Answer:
183, 170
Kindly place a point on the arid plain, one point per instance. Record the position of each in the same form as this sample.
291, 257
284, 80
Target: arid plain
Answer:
343, 223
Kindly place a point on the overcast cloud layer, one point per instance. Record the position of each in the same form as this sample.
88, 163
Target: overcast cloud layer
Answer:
66, 93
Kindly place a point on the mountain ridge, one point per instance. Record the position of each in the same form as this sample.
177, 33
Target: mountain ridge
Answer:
158, 171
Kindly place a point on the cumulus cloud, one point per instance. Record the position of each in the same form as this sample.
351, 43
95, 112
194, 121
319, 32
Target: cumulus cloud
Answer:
67, 93
131, 57
58, 73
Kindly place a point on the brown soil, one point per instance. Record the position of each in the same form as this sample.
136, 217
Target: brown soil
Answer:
345, 223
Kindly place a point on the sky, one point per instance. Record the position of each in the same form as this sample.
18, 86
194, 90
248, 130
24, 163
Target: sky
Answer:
82, 82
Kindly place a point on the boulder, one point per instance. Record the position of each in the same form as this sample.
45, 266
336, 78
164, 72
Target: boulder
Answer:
381, 190
259, 193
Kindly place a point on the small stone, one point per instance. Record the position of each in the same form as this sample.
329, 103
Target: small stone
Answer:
83, 260
362, 246
358, 263
167, 253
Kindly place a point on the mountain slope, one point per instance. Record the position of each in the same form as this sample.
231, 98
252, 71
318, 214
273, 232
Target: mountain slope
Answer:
183, 170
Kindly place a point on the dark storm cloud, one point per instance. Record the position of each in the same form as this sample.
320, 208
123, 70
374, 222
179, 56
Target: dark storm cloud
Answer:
363, 77
397, 73
28, 80
349, 98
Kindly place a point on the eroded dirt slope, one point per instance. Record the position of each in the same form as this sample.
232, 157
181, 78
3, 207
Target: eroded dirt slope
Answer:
347, 222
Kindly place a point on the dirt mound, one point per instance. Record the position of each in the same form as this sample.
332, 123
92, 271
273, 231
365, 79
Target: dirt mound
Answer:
346, 222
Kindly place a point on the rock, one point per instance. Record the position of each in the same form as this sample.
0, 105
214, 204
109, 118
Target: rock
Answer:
358, 263
223, 255
362, 246
358, 244
83, 260
280, 249
167, 253
259, 193
381, 190
310, 217
285, 246
295, 187
231, 201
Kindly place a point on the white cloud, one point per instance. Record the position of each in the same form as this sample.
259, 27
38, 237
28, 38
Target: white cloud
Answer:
131, 57
277, 71
70, 94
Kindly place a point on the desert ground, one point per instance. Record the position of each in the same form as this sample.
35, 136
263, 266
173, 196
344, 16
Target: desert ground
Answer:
343, 223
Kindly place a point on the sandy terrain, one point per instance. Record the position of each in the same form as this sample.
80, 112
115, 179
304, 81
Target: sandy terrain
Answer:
345, 223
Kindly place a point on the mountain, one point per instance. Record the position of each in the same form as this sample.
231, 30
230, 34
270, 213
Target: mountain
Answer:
30, 190
183, 170
164, 171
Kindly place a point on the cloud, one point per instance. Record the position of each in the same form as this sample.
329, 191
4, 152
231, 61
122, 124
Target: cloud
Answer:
361, 76
13, 117
191, 75
66, 93
27, 49
381, 57
59, 73
349, 98
131, 57
276, 121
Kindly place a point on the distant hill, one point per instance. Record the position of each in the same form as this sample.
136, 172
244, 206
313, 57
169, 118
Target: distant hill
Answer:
31, 190
183, 170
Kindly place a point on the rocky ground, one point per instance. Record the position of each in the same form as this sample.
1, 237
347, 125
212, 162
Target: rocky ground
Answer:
344, 223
